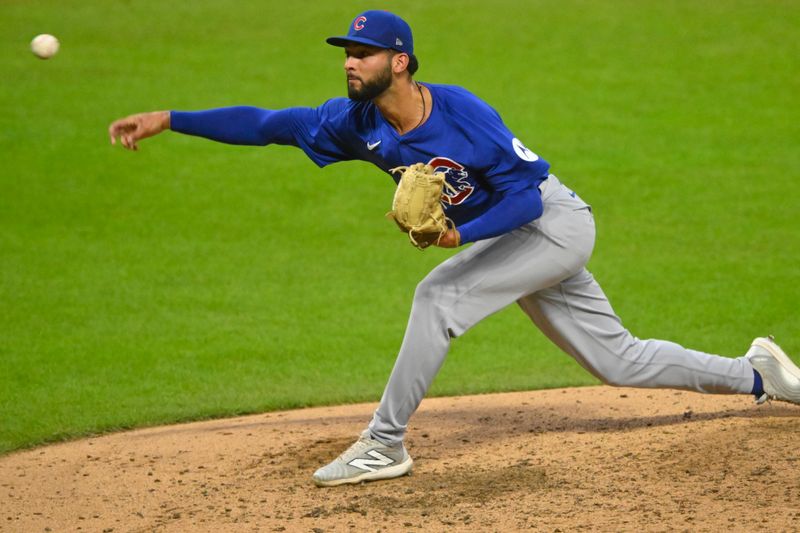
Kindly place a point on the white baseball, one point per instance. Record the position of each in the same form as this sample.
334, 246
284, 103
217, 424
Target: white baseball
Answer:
44, 46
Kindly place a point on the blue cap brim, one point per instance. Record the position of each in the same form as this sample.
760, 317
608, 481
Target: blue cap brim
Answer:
344, 41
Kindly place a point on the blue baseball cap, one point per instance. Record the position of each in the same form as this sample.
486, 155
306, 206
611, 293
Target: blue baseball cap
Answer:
378, 28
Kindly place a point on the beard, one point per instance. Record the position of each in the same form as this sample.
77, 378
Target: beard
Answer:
371, 89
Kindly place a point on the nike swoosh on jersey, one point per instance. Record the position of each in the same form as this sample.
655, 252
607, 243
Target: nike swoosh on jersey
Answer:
372, 146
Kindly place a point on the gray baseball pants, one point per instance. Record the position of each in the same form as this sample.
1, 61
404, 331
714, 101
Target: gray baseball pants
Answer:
541, 266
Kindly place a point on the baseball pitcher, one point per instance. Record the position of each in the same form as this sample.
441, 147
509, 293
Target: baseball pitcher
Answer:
465, 178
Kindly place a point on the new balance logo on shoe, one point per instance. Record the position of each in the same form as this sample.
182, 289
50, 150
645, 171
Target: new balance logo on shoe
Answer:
378, 459
366, 460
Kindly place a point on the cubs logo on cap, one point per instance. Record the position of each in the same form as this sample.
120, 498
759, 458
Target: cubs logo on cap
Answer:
378, 28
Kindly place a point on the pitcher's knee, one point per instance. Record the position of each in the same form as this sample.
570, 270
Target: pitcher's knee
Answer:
430, 290
431, 300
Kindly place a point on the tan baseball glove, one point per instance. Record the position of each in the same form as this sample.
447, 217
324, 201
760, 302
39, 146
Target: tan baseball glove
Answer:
417, 206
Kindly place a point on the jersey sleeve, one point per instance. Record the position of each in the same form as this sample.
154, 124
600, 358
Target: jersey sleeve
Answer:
510, 169
507, 164
321, 132
324, 132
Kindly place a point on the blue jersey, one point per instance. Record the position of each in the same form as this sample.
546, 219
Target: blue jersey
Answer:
463, 137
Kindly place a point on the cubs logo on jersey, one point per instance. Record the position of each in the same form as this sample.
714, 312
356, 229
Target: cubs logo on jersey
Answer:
457, 176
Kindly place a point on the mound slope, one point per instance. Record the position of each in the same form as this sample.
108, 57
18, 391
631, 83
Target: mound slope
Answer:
596, 458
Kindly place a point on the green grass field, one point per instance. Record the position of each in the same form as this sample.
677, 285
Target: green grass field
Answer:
194, 279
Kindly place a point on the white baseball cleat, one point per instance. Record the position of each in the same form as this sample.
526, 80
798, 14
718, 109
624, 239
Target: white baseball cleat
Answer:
366, 460
780, 376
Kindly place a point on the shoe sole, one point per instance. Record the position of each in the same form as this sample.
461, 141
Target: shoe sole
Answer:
786, 364
384, 473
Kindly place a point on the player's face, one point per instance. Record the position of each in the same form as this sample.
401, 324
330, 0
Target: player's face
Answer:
369, 71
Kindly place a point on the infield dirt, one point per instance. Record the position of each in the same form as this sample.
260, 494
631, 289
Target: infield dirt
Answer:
597, 458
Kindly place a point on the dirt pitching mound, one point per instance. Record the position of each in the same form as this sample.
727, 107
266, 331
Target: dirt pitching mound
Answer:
595, 458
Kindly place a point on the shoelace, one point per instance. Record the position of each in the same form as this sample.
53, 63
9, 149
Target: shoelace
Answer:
357, 449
